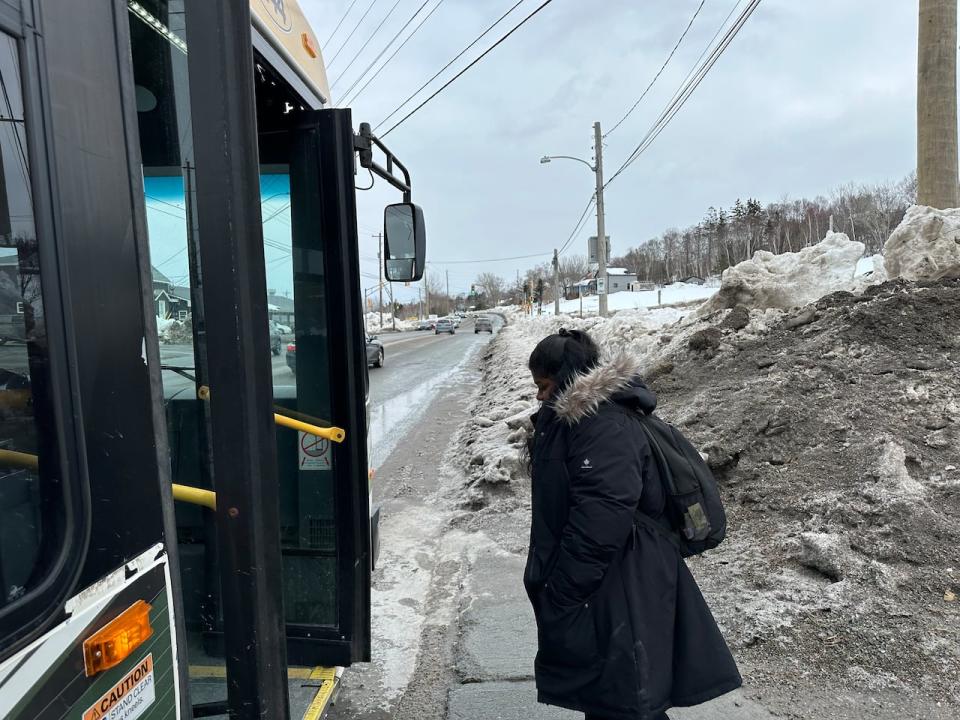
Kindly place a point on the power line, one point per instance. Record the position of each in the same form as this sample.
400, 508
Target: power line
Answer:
385, 48
487, 260
339, 23
477, 60
355, 27
659, 72
364, 46
457, 57
392, 56
686, 89
576, 229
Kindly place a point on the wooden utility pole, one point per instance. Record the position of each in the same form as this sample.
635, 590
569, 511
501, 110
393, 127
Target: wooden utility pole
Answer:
379, 237
937, 184
556, 283
601, 222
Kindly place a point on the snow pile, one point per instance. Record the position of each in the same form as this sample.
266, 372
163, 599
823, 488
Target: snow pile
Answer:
491, 445
372, 323
834, 430
791, 279
175, 332
925, 246
835, 433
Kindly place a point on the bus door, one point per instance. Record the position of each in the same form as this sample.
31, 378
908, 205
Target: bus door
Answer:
312, 332
88, 598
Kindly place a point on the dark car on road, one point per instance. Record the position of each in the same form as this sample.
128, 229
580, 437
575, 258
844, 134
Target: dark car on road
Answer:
445, 325
375, 353
483, 324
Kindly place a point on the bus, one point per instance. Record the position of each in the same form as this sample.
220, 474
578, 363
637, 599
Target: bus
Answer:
186, 525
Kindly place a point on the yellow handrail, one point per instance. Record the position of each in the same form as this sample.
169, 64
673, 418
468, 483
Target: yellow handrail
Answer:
19, 459
195, 496
333, 434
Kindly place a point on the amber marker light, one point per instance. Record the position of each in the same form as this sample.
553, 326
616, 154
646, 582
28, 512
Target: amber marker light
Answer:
115, 641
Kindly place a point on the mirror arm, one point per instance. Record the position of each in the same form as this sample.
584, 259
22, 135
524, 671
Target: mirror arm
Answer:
363, 143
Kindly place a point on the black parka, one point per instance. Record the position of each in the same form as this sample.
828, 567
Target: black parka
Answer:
623, 629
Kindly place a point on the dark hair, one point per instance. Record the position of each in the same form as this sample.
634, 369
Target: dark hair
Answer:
563, 356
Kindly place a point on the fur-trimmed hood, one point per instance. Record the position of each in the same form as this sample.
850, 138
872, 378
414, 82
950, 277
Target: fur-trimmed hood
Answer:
616, 380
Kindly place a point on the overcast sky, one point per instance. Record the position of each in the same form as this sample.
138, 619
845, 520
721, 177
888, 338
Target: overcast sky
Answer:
809, 96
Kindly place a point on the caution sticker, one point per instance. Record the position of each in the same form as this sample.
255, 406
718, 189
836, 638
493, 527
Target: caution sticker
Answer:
313, 452
129, 698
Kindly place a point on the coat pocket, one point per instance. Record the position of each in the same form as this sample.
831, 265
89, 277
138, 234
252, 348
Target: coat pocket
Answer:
568, 636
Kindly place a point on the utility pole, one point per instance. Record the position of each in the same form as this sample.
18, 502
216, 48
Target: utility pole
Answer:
393, 309
448, 292
556, 283
937, 184
426, 295
379, 237
601, 224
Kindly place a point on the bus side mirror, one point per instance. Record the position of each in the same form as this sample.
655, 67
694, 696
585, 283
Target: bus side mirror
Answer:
404, 242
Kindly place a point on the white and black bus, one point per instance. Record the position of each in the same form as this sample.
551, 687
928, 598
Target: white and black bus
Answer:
185, 522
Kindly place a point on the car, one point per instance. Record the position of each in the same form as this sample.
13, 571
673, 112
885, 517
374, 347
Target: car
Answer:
375, 353
425, 325
484, 324
445, 325
276, 338
455, 320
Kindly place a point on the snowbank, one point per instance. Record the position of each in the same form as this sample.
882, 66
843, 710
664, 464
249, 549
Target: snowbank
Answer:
372, 322
925, 246
791, 279
175, 332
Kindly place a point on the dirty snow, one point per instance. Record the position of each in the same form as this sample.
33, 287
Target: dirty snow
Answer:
791, 279
925, 246
827, 405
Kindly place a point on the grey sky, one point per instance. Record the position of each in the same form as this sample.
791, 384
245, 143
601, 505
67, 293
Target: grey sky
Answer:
810, 95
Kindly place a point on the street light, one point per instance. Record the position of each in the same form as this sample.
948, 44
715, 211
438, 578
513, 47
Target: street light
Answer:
597, 170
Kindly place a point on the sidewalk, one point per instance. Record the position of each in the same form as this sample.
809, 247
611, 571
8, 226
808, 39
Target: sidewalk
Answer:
494, 658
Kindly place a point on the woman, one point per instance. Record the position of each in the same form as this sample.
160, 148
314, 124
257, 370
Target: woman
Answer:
623, 629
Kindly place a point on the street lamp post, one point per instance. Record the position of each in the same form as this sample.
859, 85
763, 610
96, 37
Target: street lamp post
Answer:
597, 170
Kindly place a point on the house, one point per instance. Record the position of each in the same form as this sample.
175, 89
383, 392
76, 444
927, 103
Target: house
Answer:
618, 280
693, 280
280, 308
170, 302
642, 286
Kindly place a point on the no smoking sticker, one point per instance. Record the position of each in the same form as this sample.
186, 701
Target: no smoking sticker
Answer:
313, 452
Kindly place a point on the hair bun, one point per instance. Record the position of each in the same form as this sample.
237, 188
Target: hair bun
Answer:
564, 332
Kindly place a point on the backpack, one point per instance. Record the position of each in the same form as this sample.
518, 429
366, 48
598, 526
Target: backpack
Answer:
693, 505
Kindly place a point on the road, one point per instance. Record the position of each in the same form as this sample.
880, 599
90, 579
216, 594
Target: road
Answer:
417, 366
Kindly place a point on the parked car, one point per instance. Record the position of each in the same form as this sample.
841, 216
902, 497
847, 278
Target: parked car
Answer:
484, 324
276, 338
445, 325
375, 353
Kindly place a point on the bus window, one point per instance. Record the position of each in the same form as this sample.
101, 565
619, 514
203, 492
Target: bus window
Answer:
32, 508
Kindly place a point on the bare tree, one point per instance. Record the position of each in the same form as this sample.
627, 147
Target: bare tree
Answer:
572, 270
937, 105
492, 286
